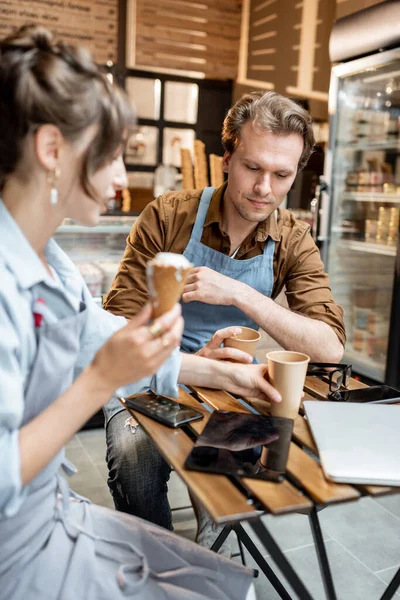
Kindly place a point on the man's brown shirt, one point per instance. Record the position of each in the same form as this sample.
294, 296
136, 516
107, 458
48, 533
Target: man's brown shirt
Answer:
165, 225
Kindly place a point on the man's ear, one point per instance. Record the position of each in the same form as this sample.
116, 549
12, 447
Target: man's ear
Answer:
225, 162
47, 143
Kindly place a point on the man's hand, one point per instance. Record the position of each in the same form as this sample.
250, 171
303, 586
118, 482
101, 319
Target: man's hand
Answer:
213, 348
210, 287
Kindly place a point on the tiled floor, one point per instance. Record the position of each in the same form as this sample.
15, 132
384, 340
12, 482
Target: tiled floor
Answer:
362, 538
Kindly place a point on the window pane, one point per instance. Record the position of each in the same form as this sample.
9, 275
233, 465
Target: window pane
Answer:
142, 145
181, 100
145, 93
174, 140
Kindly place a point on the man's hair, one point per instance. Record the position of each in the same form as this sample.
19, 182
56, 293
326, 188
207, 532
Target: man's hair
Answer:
271, 112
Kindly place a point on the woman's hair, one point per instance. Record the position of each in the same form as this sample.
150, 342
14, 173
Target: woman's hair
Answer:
48, 82
268, 111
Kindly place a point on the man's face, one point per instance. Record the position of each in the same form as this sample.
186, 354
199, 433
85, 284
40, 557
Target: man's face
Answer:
260, 172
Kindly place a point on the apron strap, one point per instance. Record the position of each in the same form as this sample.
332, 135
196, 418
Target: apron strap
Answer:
202, 213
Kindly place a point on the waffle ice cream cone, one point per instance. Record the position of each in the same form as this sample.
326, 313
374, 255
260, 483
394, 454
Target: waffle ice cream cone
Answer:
166, 277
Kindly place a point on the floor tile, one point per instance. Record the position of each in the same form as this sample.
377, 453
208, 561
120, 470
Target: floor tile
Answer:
101, 496
103, 469
291, 531
74, 443
352, 580
184, 523
88, 474
391, 503
366, 530
387, 576
177, 492
94, 442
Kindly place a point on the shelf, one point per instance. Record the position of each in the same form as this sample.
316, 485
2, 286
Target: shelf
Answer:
371, 197
94, 230
364, 365
389, 145
370, 248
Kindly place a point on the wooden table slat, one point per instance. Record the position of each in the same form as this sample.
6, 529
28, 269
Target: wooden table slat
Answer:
308, 473
219, 399
279, 498
226, 503
303, 435
319, 388
305, 470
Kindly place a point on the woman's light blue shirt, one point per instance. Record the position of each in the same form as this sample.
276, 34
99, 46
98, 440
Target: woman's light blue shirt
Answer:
24, 279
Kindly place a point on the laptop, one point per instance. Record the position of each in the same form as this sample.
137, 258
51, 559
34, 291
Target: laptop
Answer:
357, 443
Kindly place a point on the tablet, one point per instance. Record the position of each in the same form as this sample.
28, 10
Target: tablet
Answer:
377, 394
243, 444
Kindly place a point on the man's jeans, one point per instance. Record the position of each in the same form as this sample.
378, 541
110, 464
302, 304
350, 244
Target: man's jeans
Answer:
137, 473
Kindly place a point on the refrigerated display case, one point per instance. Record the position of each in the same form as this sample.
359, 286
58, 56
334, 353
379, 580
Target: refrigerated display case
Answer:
96, 251
362, 172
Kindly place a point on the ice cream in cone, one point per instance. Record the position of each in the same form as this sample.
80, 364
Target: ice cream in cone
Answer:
166, 277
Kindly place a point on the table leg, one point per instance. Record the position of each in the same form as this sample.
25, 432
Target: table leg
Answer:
322, 555
261, 562
242, 556
392, 587
280, 559
221, 538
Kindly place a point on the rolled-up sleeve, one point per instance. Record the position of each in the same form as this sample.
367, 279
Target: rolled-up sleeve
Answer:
12, 492
299, 267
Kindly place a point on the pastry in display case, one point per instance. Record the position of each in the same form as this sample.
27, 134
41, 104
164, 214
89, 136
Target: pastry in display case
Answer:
96, 251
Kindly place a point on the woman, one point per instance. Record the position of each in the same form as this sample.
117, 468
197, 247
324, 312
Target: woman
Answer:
62, 358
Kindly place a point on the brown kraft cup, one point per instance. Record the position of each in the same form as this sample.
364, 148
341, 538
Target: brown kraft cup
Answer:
245, 341
287, 372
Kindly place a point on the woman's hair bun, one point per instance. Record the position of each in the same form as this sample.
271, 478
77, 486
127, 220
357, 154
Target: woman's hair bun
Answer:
41, 38
28, 37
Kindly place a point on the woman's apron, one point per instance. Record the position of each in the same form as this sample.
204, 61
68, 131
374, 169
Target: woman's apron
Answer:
59, 546
202, 320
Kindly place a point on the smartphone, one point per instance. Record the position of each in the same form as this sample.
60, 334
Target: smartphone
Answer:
163, 409
376, 394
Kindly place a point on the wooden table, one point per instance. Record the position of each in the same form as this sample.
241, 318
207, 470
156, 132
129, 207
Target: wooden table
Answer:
304, 488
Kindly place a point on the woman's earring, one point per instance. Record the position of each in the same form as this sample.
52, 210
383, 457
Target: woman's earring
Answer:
52, 177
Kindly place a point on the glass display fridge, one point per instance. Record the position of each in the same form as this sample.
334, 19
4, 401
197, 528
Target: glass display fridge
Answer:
360, 245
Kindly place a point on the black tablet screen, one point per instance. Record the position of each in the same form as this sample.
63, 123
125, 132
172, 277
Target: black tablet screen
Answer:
248, 445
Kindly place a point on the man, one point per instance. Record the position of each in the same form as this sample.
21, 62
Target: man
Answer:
244, 248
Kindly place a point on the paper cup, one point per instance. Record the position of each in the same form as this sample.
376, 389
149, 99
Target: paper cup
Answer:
287, 372
245, 341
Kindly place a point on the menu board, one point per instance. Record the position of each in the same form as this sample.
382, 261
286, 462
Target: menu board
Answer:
90, 23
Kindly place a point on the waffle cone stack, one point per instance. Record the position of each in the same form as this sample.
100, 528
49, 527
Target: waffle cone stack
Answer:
166, 278
200, 165
187, 169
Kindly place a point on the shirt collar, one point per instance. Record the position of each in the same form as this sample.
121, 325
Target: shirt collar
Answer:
266, 228
21, 258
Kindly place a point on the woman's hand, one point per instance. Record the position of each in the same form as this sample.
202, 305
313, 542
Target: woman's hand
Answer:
213, 350
251, 380
138, 350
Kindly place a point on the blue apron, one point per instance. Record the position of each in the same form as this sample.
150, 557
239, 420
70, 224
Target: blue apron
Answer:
60, 547
202, 320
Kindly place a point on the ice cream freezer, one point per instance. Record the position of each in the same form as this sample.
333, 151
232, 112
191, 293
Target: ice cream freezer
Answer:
360, 244
96, 251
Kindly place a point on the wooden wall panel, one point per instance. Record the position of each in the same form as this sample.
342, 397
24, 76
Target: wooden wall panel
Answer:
322, 64
284, 47
91, 23
348, 7
201, 36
